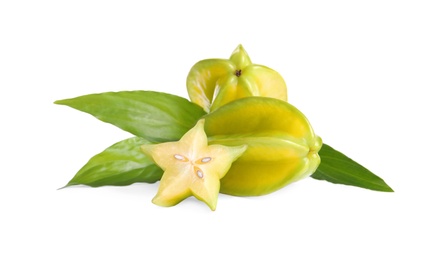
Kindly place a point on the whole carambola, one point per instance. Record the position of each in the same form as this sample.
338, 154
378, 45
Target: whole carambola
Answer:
281, 144
212, 83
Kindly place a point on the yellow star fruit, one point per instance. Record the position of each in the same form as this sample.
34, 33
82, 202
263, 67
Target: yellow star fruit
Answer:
281, 144
191, 167
212, 83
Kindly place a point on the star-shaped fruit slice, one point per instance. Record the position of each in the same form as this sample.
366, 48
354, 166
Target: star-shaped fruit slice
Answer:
191, 167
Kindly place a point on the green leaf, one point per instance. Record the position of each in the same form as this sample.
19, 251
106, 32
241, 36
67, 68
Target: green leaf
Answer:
121, 164
155, 116
337, 168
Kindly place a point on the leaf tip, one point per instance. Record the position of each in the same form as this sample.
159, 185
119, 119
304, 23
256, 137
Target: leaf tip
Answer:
65, 186
59, 102
388, 188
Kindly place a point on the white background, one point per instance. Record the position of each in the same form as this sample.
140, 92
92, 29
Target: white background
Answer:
366, 74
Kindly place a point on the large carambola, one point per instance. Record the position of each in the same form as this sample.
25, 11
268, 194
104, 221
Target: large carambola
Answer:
281, 145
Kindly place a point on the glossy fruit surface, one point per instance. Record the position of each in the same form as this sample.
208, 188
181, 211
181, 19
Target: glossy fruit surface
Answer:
212, 83
282, 146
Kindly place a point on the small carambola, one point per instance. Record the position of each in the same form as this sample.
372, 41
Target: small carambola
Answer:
212, 83
191, 167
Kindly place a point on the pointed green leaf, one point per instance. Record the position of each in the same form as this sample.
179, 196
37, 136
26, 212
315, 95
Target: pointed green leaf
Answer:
121, 164
337, 168
155, 116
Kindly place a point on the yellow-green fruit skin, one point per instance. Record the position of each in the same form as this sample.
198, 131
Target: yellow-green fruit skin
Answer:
282, 146
212, 83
